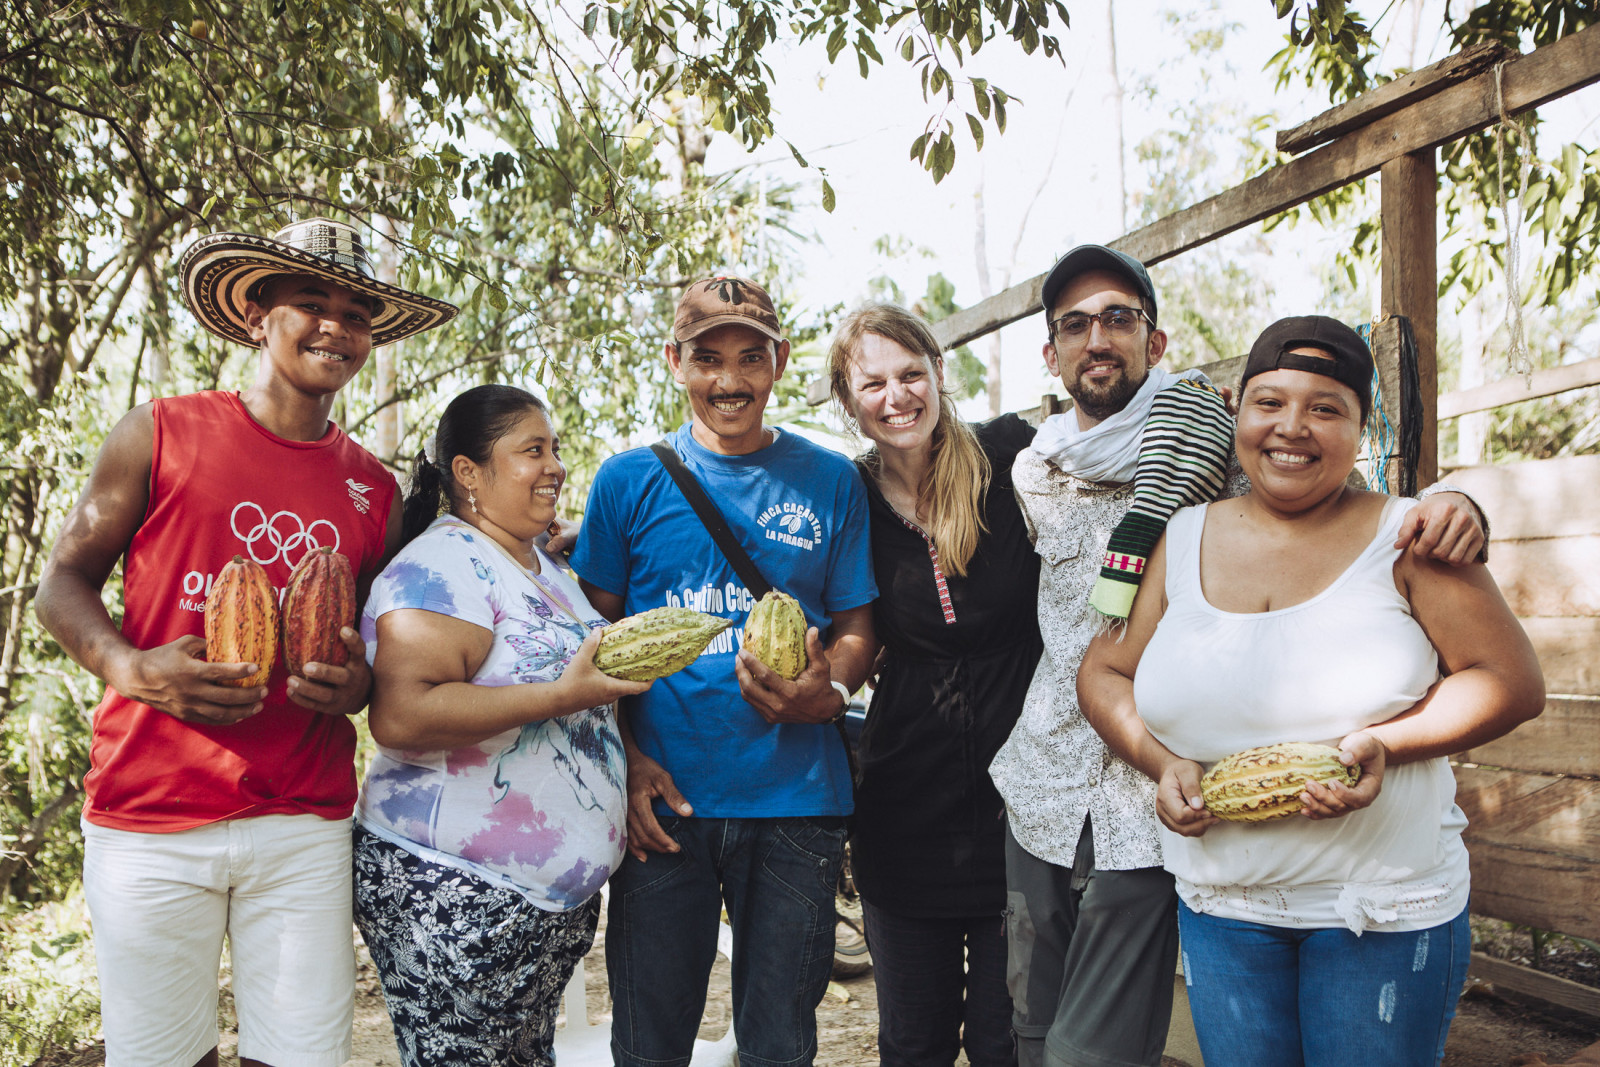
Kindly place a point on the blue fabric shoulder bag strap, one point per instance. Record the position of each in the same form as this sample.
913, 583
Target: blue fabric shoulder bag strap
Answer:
737, 557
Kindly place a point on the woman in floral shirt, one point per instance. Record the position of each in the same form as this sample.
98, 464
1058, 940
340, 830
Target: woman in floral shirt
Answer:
494, 810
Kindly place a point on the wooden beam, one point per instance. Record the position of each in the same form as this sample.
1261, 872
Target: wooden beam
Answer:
1548, 987
1546, 382
1550, 576
1565, 647
1563, 740
1534, 843
1544, 498
1410, 283
1392, 96
1386, 353
1463, 108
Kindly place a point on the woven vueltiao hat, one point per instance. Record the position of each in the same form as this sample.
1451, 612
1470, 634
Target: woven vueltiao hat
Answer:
222, 271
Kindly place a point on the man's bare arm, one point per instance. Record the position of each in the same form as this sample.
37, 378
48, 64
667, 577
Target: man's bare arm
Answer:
174, 678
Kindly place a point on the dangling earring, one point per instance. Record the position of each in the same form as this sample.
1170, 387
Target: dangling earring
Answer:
472, 501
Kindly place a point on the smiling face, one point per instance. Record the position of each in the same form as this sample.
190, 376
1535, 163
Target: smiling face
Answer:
728, 372
1103, 372
894, 394
1298, 435
314, 334
518, 489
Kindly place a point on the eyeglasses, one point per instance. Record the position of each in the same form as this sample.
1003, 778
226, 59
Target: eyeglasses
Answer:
1072, 330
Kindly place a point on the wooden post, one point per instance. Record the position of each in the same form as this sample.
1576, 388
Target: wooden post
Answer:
1410, 281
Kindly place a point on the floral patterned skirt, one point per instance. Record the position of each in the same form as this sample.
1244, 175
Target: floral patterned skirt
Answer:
472, 973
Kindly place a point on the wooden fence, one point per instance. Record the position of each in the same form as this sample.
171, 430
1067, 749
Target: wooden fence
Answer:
1533, 796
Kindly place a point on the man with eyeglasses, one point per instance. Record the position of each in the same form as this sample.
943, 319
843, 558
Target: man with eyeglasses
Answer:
1091, 916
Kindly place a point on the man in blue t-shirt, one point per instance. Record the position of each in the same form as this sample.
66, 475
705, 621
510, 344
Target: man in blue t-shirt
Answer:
737, 783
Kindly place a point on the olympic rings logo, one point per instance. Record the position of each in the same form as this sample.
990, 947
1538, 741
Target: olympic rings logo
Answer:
278, 535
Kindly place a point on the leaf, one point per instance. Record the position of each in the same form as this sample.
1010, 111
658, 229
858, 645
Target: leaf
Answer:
1283, 7
1333, 11
827, 197
999, 115
798, 158
918, 147
836, 42
977, 130
907, 49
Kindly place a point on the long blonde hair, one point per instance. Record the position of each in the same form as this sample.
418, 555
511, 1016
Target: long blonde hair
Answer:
951, 493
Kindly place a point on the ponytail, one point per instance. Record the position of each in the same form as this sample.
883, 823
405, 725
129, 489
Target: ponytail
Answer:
424, 499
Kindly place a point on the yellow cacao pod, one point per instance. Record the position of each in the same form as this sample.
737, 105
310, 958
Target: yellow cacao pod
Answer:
319, 600
1265, 783
242, 620
656, 643
775, 633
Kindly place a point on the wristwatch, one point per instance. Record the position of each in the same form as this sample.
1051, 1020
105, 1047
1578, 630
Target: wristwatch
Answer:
844, 695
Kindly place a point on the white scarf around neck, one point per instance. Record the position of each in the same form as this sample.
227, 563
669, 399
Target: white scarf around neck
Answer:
1108, 451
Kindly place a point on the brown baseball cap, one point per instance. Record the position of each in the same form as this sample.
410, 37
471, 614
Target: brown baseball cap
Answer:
723, 300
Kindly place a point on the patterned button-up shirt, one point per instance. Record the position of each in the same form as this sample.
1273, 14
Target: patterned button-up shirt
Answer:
1054, 769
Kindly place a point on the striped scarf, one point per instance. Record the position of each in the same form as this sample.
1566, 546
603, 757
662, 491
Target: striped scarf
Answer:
1178, 455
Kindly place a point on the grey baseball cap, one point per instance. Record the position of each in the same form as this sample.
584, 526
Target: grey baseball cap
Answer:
1097, 257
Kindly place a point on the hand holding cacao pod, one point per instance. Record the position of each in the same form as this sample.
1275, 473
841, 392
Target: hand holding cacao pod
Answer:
775, 633
319, 601
656, 643
1259, 784
242, 620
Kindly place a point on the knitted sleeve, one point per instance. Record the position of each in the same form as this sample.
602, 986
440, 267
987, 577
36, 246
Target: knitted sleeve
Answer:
1183, 459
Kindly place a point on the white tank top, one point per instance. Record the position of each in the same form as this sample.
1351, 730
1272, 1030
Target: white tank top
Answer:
1212, 683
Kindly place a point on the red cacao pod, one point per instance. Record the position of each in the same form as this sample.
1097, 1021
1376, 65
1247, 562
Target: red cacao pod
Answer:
242, 620
320, 598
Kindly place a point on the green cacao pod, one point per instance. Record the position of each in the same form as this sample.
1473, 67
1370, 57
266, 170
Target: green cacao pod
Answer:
655, 643
775, 633
1265, 783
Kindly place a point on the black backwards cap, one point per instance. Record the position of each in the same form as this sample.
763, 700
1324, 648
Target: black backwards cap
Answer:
1351, 362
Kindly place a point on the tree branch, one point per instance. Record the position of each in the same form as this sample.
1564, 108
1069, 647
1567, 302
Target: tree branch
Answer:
32, 837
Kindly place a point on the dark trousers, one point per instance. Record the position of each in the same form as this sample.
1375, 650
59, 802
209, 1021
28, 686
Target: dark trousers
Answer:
777, 879
941, 988
1093, 959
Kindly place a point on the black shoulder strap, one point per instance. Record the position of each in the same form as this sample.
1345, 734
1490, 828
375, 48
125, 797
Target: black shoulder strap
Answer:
715, 524
743, 565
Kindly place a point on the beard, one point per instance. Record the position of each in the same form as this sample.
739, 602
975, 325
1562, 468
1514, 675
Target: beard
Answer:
1103, 400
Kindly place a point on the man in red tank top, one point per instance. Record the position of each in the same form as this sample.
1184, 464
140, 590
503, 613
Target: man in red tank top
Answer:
214, 810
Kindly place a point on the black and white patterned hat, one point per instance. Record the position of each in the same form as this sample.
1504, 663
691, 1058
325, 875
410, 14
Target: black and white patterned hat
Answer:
222, 270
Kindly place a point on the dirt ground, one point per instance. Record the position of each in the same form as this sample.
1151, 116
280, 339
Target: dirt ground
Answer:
1489, 1030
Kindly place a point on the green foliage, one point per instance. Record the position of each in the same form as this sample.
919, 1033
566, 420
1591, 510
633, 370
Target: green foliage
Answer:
1330, 47
49, 996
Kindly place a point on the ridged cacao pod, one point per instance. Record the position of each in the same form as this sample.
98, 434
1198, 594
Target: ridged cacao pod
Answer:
1265, 783
656, 643
242, 620
775, 633
320, 598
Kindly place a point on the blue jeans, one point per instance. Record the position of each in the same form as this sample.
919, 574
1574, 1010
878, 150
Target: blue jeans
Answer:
1272, 996
941, 986
777, 878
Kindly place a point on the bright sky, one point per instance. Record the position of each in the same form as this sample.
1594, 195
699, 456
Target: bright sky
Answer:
860, 131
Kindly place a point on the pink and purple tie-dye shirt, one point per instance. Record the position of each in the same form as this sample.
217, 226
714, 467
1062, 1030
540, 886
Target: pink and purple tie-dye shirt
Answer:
541, 808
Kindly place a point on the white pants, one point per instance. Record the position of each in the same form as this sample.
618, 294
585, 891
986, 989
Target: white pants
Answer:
278, 886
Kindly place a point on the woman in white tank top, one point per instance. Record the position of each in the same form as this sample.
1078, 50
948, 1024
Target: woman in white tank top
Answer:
1339, 934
